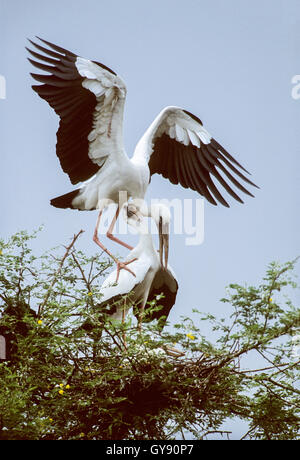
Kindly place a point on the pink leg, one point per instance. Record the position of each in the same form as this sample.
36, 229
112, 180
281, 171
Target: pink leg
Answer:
120, 265
110, 230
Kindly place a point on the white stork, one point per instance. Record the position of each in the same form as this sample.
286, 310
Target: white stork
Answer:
89, 98
153, 274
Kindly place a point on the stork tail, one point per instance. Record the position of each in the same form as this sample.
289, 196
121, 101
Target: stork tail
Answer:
65, 201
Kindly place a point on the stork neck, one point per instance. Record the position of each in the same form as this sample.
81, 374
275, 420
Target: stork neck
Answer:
146, 241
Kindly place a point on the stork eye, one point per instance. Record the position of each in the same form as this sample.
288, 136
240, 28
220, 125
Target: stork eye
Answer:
130, 213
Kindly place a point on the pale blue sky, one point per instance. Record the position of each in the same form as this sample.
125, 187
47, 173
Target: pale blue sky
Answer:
229, 62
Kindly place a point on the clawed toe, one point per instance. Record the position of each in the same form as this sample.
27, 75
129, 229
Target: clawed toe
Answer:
123, 265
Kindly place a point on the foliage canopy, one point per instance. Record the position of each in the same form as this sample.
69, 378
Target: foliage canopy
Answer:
63, 380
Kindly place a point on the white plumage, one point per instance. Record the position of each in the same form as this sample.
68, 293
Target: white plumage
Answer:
152, 277
89, 98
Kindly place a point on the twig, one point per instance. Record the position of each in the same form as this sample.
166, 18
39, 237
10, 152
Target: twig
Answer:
20, 274
248, 432
276, 366
98, 274
284, 387
68, 248
90, 272
254, 346
81, 271
289, 366
215, 431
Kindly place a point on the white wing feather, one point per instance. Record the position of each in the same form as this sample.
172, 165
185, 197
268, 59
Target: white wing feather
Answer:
106, 137
177, 124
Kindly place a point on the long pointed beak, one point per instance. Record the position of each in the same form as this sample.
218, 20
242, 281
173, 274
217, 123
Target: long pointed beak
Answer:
163, 244
134, 213
166, 247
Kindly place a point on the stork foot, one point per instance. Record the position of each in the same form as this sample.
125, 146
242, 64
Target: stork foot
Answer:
123, 265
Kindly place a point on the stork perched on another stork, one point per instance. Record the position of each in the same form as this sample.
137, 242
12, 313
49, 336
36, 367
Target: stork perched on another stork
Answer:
153, 274
89, 98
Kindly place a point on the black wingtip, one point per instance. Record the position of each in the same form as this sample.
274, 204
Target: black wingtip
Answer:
42, 40
218, 146
56, 48
36, 88
31, 41
36, 76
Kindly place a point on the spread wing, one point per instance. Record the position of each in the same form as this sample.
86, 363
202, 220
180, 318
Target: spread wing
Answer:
89, 99
177, 146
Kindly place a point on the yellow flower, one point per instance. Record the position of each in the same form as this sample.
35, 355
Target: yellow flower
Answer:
61, 392
67, 387
90, 294
270, 299
40, 321
50, 419
190, 336
82, 435
61, 385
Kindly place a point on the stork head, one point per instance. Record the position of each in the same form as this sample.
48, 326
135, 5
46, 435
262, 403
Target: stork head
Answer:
133, 214
160, 213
